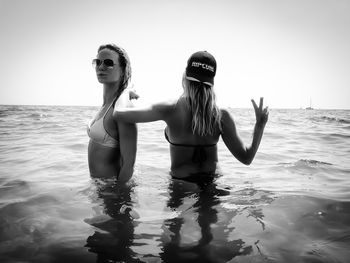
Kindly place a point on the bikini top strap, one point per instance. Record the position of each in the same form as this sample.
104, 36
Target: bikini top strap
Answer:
185, 145
109, 107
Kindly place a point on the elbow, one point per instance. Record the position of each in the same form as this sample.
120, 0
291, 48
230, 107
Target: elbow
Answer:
247, 162
248, 157
125, 176
123, 179
244, 161
126, 172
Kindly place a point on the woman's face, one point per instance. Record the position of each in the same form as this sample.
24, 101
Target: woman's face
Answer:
108, 71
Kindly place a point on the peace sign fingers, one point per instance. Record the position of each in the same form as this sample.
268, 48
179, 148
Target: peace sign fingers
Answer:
265, 115
261, 114
254, 105
261, 103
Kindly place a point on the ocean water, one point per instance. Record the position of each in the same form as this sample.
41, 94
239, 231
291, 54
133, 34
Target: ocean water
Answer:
291, 205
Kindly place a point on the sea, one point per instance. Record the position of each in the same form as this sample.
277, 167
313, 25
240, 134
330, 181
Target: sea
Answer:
292, 204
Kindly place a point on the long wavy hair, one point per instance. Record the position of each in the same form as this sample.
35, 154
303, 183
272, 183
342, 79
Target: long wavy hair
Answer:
124, 62
201, 99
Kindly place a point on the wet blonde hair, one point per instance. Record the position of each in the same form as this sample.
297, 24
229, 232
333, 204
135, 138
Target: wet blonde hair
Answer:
124, 62
201, 99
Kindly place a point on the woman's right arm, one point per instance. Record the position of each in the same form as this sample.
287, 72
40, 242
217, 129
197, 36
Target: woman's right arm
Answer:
151, 113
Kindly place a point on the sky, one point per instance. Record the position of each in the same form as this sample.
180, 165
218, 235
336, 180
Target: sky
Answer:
291, 52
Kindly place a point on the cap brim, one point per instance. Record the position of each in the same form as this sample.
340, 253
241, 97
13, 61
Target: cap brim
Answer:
194, 79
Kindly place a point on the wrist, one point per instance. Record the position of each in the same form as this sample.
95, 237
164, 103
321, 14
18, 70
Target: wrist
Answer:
260, 124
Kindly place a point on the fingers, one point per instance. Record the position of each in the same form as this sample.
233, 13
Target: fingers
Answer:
262, 114
254, 104
261, 103
265, 114
266, 110
133, 95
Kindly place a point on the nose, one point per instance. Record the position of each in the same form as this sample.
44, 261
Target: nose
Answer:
101, 66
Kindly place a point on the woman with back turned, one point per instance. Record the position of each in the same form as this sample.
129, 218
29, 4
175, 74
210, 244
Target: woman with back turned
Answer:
195, 123
112, 145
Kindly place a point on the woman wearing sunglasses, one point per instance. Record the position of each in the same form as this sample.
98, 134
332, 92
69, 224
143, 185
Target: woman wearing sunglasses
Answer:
112, 145
195, 123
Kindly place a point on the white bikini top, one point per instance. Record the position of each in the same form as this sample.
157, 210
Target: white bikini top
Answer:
98, 133
96, 129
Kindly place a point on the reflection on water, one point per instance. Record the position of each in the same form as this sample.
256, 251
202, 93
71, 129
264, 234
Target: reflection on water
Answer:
114, 223
210, 222
200, 228
198, 205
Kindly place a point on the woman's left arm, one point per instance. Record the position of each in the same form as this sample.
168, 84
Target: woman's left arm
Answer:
232, 140
262, 115
127, 140
128, 149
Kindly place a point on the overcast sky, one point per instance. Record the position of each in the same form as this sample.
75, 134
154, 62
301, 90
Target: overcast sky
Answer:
288, 51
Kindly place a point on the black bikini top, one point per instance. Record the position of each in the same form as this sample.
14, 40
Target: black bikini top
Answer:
199, 154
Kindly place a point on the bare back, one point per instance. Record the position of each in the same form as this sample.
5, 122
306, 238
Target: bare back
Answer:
190, 153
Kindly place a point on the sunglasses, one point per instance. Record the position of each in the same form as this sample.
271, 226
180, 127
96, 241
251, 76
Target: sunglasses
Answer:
107, 62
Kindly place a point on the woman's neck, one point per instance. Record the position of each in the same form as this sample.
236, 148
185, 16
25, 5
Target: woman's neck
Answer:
110, 92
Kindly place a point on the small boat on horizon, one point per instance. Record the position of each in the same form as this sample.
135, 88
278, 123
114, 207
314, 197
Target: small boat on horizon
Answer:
310, 107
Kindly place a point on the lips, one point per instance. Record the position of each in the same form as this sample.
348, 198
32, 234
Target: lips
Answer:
101, 74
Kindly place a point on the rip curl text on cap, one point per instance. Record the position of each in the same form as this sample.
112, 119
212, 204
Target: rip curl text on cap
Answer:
201, 67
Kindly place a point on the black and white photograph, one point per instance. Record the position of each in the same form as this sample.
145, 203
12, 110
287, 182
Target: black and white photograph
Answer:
175, 131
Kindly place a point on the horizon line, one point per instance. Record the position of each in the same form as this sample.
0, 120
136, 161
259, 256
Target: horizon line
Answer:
66, 105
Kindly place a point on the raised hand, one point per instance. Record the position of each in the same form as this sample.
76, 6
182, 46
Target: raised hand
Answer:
261, 114
133, 95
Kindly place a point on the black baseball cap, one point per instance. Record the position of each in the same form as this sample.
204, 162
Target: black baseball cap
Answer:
201, 67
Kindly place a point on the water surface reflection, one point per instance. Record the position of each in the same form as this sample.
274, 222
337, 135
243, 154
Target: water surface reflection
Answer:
115, 226
198, 234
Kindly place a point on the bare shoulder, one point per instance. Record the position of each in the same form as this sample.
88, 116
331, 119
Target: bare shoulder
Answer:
228, 125
227, 121
225, 114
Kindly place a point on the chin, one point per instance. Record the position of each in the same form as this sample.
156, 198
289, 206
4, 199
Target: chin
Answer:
102, 80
